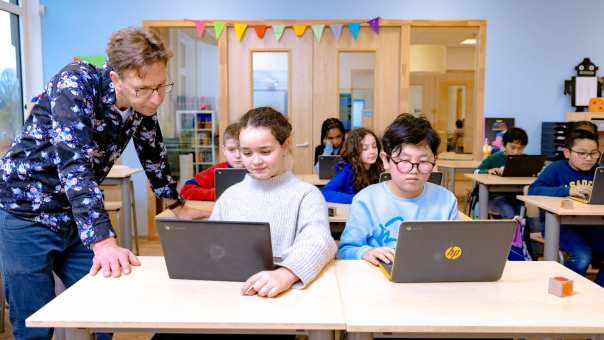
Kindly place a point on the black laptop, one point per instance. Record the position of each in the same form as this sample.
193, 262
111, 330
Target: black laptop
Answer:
224, 178
523, 165
215, 250
327, 166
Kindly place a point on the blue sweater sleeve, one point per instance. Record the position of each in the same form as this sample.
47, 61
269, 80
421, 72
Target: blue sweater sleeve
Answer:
335, 190
548, 185
353, 242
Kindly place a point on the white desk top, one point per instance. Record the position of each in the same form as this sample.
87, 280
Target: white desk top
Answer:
148, 299
552, 204
122, 171
457, 164
312, 179
518, 303
499, 180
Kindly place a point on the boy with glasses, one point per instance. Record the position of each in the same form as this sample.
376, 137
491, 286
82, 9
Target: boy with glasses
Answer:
376, 212
573, 177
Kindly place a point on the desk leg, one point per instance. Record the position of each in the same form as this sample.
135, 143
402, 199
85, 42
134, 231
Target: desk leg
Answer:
359, 336
483, 201
320, 335
126, 213
552, 236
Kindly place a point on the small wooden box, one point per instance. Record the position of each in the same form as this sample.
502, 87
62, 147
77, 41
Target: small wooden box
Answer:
560, 286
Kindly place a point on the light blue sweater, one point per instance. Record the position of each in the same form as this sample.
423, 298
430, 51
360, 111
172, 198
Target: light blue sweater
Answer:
376, 213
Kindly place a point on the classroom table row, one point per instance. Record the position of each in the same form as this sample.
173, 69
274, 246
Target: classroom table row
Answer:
348, 295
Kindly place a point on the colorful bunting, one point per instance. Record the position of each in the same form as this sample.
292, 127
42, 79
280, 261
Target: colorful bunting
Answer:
218, 28
318, 31
336, 29
354, 28
240, 30
200, 26
374, 24
260, 30
278, 30
299, 30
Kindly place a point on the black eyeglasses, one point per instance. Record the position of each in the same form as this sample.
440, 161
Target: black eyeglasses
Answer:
592, 155
404, 166
145, 92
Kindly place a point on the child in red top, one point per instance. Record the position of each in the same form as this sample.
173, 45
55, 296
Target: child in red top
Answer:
201, 188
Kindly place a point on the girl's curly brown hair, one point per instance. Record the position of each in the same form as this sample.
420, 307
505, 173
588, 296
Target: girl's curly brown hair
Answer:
351, 153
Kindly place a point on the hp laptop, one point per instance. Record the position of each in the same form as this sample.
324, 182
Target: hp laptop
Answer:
597, 189
523, 165
215, 250
224, 178
327, 166
451, 251
436, 177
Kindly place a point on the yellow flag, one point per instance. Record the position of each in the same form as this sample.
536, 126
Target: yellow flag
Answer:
299, 30
240, 30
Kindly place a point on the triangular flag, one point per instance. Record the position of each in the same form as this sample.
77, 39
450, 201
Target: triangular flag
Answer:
374, 24
260, 30
299, 30
337, 30
218, 28
354, 28
240, 30
318, 31
200, 26
278, 30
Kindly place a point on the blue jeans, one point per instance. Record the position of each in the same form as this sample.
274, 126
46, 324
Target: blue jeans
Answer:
29, 254
507, 206
582, 244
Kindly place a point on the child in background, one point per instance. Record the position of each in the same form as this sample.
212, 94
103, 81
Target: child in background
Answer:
371, 232
573, 177
514, 142
296, 211
201, 188
360, 167
332, 138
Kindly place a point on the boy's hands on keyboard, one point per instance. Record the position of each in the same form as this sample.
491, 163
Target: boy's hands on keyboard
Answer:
375, 255
582, 191
496, 171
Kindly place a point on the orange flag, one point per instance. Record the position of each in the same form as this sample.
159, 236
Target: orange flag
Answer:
260, 30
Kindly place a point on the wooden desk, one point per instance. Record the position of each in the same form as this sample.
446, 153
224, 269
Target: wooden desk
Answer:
121, 175
147, 300
492, 183
518, 304
580, 214
450, 167
453, 156
312, 179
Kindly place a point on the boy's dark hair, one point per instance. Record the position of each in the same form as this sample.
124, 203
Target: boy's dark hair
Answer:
580, 134
407, 129
459, 123
515, 135
331, 123
582, 125
269, 118
231, 132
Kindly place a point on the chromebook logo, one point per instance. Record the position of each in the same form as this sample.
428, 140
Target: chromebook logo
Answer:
453, 253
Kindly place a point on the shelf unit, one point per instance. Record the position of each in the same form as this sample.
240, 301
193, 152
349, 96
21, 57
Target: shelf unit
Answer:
197, 128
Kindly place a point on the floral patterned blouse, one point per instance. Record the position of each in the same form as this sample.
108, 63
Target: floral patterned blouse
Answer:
68, 144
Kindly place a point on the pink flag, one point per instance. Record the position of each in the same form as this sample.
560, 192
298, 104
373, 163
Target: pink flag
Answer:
200, 26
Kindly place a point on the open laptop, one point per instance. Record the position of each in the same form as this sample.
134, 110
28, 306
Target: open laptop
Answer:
224, 178
597, 189
600, 161
523, 165
327, 166
436, 177
215, 250
451, 251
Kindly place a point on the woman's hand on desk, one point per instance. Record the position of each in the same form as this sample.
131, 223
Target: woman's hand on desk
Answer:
188, 213
112, 259
269, 283
375, 255
582, 191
